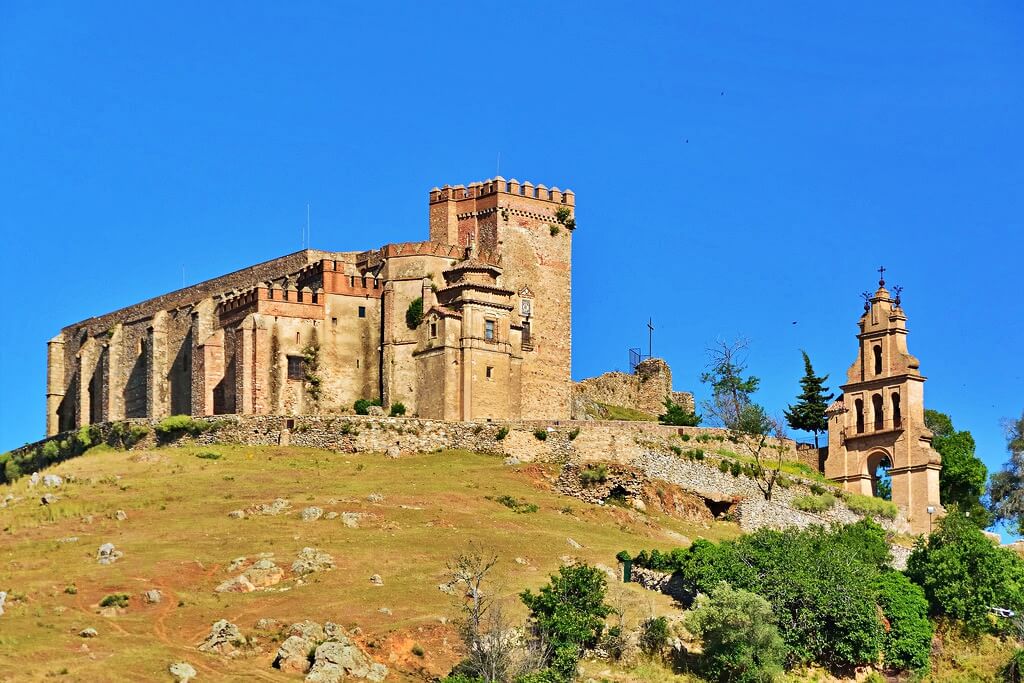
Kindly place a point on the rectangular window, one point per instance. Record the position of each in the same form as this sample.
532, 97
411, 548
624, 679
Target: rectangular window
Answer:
334, 322
362, 311
295, 370
489, 330
490, 372
526, 333
433, 329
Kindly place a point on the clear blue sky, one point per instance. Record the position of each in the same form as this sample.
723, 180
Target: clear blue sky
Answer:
737, 167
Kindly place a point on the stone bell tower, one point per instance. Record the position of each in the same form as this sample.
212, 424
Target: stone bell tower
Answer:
880, 416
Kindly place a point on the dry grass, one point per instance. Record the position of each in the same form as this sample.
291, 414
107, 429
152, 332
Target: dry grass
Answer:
179, 539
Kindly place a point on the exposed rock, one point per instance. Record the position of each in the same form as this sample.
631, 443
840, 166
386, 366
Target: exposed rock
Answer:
52, 481
331, 515
236, 564
33, 481
512, 460
376, 580
268, 624
68, 539
108, 555
312, 560
88, 632
183, 672
264, 574
351, 519
608, 571
152, 596
120, 515
375, 498
238, 584
48, 499
375, 411
446, 588
224, 638
275, 508
293, 655
333, 631
309, 630
338, 660
311, 514
237, 514
3, 600
572, 543
520, 560
393, 452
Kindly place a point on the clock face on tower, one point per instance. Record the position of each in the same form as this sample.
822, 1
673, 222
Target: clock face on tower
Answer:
525, 307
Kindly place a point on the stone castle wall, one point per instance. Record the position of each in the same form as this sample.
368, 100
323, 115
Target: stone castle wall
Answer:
645, 390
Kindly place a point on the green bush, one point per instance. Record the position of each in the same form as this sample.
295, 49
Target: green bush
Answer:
594, 474
568, 613
623, 556
676, 449
870, 506
907, 643
697, 454
208, 455
684, 437
813, 503
735, 469
502, 433
127, 435
171, 428
740, 640
1013, 672
414, 314
653, 635
574, 433
540, 434
723, 465
397, 409
676, 415
516, 505
115, 600
362, 406
963, 574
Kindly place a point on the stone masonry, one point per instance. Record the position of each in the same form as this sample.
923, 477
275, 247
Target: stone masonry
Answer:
313, 331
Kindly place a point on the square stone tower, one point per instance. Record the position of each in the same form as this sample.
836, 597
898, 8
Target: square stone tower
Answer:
880, 416
529, 230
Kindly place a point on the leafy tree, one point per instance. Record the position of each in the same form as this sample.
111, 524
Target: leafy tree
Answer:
568, 613
741, 642
730, 390
964, 574
963, 474
808, 414
1007, 487
765, 439
907, 643
678, 416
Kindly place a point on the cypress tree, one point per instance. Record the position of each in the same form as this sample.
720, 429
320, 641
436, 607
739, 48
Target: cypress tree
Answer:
808, 414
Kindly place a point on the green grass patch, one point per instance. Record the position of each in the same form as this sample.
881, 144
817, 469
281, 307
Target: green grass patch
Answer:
814, 503
869, 506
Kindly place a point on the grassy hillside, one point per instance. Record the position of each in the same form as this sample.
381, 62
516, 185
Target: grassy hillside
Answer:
178, 538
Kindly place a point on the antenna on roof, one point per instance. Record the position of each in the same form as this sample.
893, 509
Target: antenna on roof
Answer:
497, 169
307, 225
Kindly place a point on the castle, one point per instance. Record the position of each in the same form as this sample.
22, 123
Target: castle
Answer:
473, 323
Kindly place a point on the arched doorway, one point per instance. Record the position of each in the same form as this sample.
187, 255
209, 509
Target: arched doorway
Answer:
878, 465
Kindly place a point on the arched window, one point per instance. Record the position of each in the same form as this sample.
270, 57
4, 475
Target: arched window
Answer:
879, 406
859, 406
878, 359
897, 418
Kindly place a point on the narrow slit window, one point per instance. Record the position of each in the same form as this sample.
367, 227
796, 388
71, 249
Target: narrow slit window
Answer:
433, 329
489, 330
878, 360
859, 408
878, 405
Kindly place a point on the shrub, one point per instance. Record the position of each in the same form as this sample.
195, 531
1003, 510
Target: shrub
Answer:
574, 433
417, 650
502, 433
697, 454
735, 469
653, 634
127, 435
1013, 672
594, 474
568, 613
208, 455
554, 229
623, 556
397, 409
115, 600
684, 437
676, 449
11, 471
723, 465
414, 314
71, 590
907, 643
963, 574
870, 506
171, 428
741, 642
362, 406
813, 503
563, 215
516, 505
677, 415
817, 489
540, 434
51, 453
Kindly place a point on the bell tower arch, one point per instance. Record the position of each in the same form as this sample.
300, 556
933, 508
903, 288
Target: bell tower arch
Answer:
880, 414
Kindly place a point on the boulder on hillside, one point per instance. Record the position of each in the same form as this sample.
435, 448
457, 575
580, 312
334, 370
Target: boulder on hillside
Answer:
224, 639
339, 660
311, 514
293, 655
312, 560
107, 554
183, 672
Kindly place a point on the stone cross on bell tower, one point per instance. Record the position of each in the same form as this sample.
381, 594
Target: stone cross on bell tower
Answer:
880, 415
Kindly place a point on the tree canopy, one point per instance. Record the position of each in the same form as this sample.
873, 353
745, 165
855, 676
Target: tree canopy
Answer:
963, 475
1007, 487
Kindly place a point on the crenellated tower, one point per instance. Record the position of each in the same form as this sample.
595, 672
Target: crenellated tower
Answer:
528, 229
880, 416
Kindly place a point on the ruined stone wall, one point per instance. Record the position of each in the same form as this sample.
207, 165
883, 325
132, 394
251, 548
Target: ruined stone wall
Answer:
645, 390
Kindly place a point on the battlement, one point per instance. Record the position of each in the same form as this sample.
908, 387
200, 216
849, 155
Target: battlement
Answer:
270, 299
338, 281
498, 185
